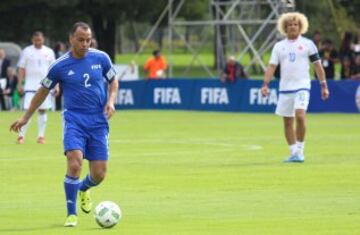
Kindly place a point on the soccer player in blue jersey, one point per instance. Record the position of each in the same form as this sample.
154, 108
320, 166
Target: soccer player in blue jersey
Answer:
81, 73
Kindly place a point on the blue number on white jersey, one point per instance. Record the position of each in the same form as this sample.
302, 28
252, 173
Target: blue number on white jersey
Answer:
292, 56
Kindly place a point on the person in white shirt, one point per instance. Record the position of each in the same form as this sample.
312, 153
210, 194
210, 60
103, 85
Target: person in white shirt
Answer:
293, 54
33, 66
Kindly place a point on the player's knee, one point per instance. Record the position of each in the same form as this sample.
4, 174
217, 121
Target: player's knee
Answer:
99, 175
74, 168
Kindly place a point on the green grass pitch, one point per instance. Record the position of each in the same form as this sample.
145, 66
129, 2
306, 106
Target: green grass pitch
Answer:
175, 172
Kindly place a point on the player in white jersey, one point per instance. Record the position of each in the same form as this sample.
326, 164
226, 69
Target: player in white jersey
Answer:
33, 66
293, 55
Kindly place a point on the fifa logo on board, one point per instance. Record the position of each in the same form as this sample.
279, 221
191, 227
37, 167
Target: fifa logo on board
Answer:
256, 97
125, 97
168, 95
215, 95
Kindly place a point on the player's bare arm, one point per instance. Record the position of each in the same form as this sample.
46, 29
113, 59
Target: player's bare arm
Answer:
269, 73
110, 105
38, 99
323, 84
56, 90
21, 76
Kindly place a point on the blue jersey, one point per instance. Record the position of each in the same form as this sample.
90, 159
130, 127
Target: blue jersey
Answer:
82, 80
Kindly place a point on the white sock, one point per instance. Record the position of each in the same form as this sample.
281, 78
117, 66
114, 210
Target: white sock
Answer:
42, 119
23, 129
293, 149
300, 147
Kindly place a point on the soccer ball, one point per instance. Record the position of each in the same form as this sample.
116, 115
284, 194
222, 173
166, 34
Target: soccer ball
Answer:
107, 214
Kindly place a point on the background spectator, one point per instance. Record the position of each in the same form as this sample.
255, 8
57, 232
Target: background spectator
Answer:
355, 72
94, 43
233, 71
346, 46
357, 43
11, 92
156, 66
329, 57
346, 67
59, 49
4, 64
317, 39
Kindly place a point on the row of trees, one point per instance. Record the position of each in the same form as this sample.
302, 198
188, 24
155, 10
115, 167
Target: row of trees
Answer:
19, 18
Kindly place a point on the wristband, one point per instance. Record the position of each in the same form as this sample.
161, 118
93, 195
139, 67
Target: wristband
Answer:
323, 84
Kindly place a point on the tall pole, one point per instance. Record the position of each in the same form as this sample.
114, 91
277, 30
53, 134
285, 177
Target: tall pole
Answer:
170, 38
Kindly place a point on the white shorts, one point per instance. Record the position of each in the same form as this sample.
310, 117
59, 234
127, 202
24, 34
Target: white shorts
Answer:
28, 97
288, 103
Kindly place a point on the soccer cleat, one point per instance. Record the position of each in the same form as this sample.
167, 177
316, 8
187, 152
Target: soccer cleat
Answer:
295, 159
20, 140
85, 200
40, 140
71, 221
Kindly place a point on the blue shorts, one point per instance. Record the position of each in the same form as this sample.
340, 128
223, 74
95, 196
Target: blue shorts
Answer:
88, 133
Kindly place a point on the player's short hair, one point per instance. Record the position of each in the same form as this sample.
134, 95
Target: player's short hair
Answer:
290, 16
37, 34
77, 25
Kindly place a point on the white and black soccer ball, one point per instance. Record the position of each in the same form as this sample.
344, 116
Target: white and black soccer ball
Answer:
107, 214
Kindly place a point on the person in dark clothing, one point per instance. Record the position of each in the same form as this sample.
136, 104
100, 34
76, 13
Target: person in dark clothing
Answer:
329, 57
346, 68
11, 88
355, 72
233, 71
346, 49
4, 64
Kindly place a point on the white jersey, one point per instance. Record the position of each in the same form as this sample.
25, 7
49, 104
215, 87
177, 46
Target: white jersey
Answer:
293, 57
36, 63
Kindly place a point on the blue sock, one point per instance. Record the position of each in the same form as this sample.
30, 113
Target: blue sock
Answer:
71, 185
87, 183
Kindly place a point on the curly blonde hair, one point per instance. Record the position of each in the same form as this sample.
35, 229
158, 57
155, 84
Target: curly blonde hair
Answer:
290, 16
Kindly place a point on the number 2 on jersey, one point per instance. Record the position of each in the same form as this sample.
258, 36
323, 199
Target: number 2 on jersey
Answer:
87, 78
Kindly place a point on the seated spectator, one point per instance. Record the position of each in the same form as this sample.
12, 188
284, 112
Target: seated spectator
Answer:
4, 64
12, 99
355, 73
329, 57
156, 66
346, 68
233, 71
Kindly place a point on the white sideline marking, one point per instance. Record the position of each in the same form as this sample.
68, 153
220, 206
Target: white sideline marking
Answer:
251, 147
227, 147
